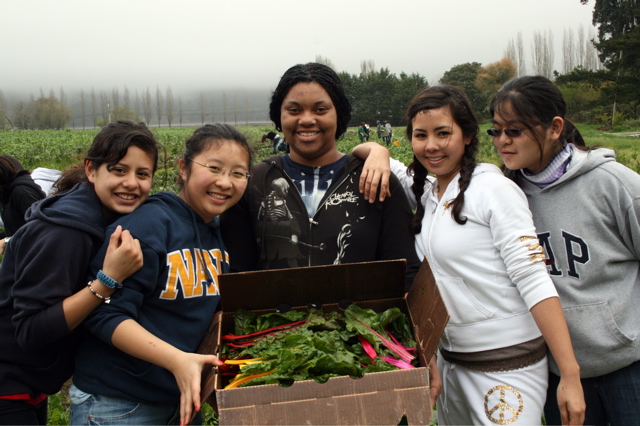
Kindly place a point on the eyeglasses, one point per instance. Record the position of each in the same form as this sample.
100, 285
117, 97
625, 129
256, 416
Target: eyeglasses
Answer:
217, 171
512, 133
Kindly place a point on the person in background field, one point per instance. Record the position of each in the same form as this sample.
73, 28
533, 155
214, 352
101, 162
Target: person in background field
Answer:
279, 144
330, 221
18, 192
362, 133
389, 130
44, 294
474, 227
586, 209
379, 129
138, 365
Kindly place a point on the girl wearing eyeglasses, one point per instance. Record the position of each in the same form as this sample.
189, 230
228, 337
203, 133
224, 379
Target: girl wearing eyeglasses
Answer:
475, 229
586, 211
139, 364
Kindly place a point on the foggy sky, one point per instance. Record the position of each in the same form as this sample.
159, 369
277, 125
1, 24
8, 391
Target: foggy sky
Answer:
227, 44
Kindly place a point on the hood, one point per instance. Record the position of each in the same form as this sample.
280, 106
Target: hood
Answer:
78, 208
581, 162
585, 161
454, 185
22, 178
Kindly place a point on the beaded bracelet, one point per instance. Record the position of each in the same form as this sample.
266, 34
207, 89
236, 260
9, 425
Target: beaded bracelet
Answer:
106, 300
107, 280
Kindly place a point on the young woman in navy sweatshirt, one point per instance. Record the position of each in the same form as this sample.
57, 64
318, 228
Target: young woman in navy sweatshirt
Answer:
139, 365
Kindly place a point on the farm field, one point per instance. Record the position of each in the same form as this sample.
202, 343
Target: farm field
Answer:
60, 149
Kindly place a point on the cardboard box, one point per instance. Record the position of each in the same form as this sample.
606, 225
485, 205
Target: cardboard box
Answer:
377, 398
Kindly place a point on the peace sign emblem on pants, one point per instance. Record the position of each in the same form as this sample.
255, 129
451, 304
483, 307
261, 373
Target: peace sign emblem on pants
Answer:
500, 408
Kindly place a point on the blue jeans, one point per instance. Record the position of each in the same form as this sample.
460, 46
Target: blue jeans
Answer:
88, 409
613, 398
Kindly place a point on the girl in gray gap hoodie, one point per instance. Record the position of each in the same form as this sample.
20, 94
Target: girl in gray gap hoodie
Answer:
586, 209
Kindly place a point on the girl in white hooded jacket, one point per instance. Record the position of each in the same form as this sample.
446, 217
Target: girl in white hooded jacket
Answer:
475, 228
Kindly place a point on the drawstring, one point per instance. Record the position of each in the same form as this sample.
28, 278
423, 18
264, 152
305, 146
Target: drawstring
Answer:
198, 249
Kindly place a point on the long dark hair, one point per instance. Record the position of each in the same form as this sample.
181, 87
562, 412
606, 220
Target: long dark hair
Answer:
312, 73
109, 146
462, 113
9, 168
535, 101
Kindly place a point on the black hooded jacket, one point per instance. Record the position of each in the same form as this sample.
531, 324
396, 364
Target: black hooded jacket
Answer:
17, 197
270, 227
46, 261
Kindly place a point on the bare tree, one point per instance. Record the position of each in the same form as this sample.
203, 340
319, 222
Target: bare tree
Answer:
235, 110
63, 103
169, 105
521, 65
543, 53
180, 110
159, 105
569, 53
146, 106
224, 107
136, 104
246, 111
3, 111
367, 67
581, 47
511, 52
105, 107
203, 108
325, 61
94, 108
83, 107
591, 60
115, 103
126, 101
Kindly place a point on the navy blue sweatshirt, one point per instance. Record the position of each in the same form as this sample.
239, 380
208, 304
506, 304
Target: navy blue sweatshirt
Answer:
46, 261
170, 297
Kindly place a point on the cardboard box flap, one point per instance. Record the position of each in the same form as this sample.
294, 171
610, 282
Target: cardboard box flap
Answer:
428, 312
315, 284
380, 398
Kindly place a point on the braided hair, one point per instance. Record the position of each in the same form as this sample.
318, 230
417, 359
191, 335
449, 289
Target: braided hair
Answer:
462, 113
312, 73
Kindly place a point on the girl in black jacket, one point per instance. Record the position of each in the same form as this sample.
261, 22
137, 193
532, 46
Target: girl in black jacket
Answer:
44, 294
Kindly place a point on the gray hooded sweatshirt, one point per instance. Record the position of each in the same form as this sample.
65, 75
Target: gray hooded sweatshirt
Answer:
588, 224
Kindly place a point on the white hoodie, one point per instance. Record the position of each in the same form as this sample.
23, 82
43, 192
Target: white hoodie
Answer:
490, 271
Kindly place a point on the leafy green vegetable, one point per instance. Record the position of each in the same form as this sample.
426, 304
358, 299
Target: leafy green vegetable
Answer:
316, 345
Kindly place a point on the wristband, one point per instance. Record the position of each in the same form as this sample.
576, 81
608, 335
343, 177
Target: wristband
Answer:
107, 280
106, 300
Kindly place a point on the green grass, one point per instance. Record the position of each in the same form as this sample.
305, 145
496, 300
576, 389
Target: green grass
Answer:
60, 149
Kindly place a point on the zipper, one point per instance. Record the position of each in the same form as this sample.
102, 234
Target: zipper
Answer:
312, 220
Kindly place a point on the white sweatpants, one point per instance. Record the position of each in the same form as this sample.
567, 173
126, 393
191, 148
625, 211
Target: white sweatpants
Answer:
497, 398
